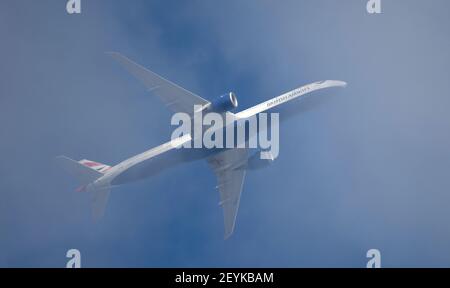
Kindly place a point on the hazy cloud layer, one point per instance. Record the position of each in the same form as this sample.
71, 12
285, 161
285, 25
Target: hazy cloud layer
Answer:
360, 168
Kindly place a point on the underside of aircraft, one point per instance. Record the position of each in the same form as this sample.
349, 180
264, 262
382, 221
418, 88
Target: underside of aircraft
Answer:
229, 165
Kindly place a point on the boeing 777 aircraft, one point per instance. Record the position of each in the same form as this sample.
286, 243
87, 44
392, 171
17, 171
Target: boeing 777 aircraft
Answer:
229, 165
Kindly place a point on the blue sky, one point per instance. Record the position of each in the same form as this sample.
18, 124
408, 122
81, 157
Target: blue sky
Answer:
359, 168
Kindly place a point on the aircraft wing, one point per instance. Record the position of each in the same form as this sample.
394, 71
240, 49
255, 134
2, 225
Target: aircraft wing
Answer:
229, 167
173, 96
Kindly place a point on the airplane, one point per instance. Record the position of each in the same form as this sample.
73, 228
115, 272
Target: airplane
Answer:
230, 165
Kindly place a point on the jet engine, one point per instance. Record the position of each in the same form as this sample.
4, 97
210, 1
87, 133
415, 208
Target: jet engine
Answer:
224, 103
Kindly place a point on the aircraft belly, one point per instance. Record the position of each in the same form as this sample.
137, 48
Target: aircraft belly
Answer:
159, 163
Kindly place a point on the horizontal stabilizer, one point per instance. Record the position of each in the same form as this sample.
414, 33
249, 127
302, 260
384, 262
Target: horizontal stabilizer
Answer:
83, 173
100, 196
87, 172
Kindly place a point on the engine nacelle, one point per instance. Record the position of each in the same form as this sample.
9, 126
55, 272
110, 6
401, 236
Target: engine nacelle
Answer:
224, 103
255, 162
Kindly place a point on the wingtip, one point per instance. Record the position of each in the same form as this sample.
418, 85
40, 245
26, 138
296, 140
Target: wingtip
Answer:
228, 233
